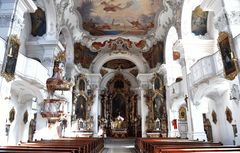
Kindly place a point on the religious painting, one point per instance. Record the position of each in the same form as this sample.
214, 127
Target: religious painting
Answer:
155, 55
118, 106
182, 113
10, 61
39, 26
83, 55
157, 82
228, 56
115, 17
214, 117
158, 107
199, 21
228, 114
80, 109
25, 117
12, 115
81, 83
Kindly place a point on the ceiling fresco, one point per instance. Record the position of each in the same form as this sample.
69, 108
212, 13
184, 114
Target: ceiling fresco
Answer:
83, 55
155, 55
119, 63
114, 17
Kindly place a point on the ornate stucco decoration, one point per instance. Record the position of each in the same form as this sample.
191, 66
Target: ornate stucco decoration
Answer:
234, 17
120, 44
166, 17
235, 93
220, 22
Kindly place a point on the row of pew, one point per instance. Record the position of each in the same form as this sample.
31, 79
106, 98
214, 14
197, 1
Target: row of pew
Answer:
64, 145
174, 145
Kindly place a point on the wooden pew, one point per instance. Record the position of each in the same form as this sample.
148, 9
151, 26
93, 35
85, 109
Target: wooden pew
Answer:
32, 149
82, 145
201, 149
149, 145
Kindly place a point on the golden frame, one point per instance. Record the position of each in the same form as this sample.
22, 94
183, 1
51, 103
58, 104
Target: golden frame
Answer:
10, 60
229, 58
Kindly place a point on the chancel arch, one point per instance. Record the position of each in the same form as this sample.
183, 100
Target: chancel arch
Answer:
136, 59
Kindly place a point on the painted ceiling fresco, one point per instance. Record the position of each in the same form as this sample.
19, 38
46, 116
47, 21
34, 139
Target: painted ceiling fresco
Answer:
155, 55
114, 17
119, 63
83, 55
199, 21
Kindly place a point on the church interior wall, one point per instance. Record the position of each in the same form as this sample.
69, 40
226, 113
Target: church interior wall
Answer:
2, 46
216, 96
213, 94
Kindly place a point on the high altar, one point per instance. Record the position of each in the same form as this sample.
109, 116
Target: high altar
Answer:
119, 109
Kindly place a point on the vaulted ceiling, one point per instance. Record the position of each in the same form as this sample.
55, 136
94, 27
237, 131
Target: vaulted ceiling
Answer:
119, 26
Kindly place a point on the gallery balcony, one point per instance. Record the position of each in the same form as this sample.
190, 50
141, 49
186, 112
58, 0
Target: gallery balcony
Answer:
31, 70
206, 68
176, 89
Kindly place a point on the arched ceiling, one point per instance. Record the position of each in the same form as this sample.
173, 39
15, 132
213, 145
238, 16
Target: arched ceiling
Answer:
128, 29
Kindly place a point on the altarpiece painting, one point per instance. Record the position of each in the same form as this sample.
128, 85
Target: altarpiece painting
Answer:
228, 56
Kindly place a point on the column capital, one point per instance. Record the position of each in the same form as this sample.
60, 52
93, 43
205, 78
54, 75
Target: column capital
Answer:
94, 79
145, 80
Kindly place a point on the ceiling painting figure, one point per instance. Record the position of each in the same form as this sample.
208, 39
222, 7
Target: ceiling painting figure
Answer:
114, 17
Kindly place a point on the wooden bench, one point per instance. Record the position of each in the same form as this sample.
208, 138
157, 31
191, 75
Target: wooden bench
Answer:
200, 149
78, 145
152, 145
32, 149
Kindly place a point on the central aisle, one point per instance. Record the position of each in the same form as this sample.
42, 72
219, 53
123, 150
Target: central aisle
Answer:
119, 145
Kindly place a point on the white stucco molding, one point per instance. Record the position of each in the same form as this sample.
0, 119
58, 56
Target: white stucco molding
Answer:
212, 89
128, 76
28, 5
101, 59
94, 80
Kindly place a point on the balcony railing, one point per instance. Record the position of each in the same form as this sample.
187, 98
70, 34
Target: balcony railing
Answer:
206, 68
31, 70
176, 89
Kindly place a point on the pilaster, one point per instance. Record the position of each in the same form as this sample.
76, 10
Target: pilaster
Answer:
94, 82
144, 84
